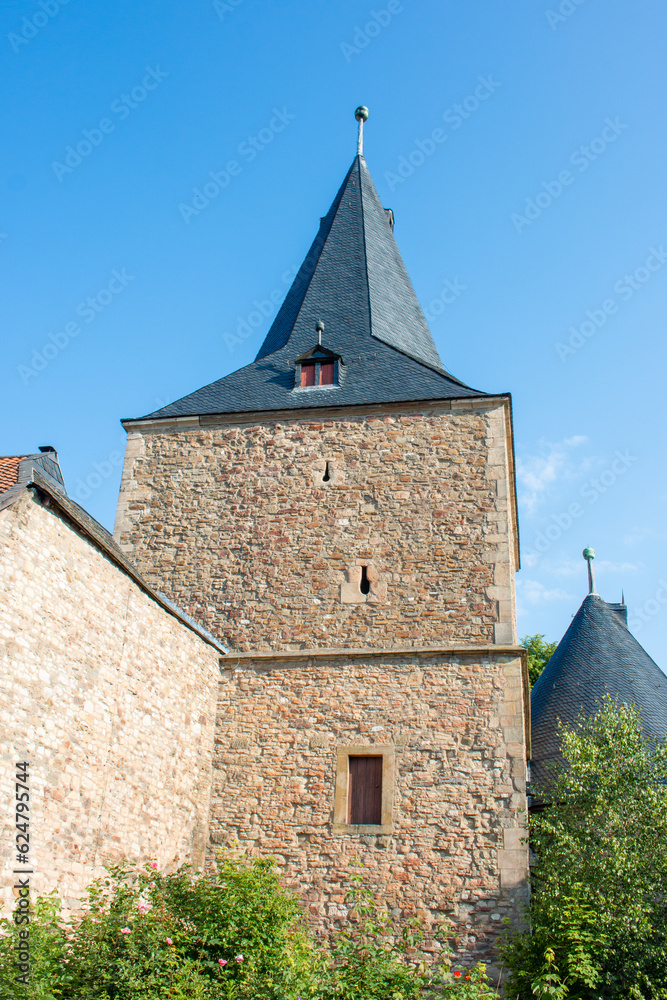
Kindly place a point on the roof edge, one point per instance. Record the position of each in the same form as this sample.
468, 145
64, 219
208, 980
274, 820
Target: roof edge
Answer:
301, 413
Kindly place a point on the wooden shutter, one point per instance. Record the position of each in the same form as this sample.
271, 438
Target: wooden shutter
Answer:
327, 373
307, 374
365, 790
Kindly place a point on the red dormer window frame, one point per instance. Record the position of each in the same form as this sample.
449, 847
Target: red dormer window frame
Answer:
318, 368
314, 373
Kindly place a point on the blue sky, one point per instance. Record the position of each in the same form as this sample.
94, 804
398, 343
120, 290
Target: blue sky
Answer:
544, 207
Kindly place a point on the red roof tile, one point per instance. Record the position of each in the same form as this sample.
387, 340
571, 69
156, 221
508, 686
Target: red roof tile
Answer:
9, 471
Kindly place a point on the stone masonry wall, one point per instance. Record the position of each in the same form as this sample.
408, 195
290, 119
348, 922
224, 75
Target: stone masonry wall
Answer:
245, 526
109, 697
455, 722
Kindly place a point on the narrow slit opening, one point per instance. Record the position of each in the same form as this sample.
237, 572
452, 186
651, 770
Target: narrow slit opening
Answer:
365, 585
327, 475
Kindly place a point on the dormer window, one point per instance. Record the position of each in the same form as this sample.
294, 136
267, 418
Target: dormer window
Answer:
319, 367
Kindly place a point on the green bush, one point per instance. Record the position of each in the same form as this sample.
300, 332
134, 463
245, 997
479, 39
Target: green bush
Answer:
149, 935
374, 960
235, 935
598, 912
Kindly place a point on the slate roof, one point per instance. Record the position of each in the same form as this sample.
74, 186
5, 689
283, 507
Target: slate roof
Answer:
596, 656
354, 280
16, 471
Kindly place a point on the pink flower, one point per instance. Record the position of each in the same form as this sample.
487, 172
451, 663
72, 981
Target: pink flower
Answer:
125, 930
144, 907
169, 941
151, 885
153, 864
222, 961
239, 958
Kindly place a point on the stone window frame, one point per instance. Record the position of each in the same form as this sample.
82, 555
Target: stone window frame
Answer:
341, 791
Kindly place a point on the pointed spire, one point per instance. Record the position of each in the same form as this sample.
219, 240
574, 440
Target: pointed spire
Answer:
361, 114
355, 281
589, 556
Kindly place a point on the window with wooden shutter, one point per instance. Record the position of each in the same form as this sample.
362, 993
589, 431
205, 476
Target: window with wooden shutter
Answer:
307, 375
365, 790
327, 373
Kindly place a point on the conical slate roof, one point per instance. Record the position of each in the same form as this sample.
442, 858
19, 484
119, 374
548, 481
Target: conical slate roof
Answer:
596, 656
353, 280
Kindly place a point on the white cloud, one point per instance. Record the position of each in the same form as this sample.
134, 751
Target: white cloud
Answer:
535, 593
537, 474
637, 534
577, 568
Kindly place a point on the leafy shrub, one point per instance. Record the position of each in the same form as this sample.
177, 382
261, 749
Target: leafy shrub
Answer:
599, 889
375, 961
234, 935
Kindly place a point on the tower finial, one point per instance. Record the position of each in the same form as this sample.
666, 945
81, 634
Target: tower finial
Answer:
589, 556
319, 328
361, 114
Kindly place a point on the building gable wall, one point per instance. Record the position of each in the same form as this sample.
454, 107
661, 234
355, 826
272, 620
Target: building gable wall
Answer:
110, 698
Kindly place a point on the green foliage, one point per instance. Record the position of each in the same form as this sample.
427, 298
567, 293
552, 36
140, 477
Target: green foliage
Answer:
599, 903
375, 961
144, 934
235, 935
47, 953
539, 654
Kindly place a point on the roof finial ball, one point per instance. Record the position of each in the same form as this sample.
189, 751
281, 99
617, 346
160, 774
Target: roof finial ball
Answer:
319, 329
589, 556
361, 114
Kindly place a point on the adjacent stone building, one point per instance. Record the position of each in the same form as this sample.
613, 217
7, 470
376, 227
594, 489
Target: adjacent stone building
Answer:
106, 689
341, 513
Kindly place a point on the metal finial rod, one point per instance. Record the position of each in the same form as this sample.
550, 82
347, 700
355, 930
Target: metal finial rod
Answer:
589, 556
361, 114
319, 327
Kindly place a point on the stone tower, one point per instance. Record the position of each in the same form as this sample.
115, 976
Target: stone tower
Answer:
341, 513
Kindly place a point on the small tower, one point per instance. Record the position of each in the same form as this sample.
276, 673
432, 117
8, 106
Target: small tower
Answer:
341, 512
597, 656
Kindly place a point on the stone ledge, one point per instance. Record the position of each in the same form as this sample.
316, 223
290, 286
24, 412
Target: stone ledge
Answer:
455, 405
356, 652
